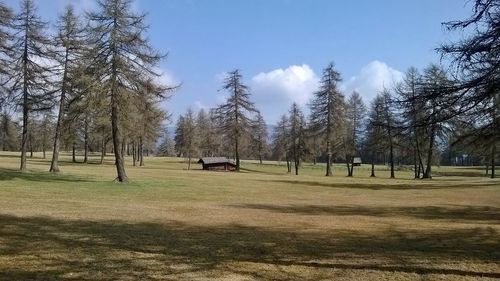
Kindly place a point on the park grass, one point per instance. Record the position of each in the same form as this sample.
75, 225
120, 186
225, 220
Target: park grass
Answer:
169, 223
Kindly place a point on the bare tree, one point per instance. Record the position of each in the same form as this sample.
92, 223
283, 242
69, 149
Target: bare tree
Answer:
281, 140
355, 115
259, 137
328, 111
234, 114
477, 61
31, 71
297, 135
125, 60
186, 138
69, 43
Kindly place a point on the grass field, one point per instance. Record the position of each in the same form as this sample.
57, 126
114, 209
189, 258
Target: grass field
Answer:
261, 224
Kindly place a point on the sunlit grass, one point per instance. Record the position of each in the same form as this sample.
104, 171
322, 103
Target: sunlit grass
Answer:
261, 224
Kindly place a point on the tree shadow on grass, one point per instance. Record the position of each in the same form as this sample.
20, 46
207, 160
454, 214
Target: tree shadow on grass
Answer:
381, 186
486, 214
53, 249
8, 174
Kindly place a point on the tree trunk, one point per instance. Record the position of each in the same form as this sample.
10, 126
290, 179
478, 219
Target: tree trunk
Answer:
103, 149
189, 162
86, 143
115, 129
391, 151
297, 160
141, 152
329, 160
493, 154
54, 164
24, 140
237, 155
134, 158
74, 152
288, 165
428, 169
373, 167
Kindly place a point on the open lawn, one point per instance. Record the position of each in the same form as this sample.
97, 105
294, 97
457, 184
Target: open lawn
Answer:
260, 224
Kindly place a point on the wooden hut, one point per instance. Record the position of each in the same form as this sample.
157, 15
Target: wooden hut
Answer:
356, 161
217, 164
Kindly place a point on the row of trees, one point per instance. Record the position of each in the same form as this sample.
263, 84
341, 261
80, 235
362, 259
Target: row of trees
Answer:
430, 116
99, 74
95, 88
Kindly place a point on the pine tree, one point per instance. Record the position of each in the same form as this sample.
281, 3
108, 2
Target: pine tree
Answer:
477, 59
297, 135
281, 139
355, 115
328, 111
69, 41
5, 40
233, 115
186, 139
259, 137
31, 71
125, 61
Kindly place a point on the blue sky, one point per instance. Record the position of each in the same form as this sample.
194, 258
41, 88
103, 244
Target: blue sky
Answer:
281, 46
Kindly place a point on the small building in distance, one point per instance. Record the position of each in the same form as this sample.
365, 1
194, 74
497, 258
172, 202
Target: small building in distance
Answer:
356, 161
217, 164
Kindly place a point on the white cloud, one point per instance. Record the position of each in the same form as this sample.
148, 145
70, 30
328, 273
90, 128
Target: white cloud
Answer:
166, 77
199, 105
372, 78
295, 83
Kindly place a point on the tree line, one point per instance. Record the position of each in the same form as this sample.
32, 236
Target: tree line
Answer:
433, 116
93, 85
92, 82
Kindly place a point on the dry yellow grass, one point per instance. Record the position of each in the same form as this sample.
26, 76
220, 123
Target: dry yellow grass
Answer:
260, 224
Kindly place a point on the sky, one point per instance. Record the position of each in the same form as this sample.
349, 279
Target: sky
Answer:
282, 46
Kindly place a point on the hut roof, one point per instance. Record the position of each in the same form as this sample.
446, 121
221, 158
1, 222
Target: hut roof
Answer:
214, 160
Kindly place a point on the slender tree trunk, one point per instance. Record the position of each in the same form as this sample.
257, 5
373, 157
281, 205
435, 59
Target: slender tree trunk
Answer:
329, 159
86, 143
415, 164
134, 159
373, 167
189, 162
26, 107
288, 164
115, 128
348, 167
428, 169
391, 151
141, 152
237, 155
103, 149
74, 152
54, 164
493, 154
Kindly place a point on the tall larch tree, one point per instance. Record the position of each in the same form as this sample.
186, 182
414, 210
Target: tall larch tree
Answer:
70, 43
297, 136
5, 40
281, 140
259, 137
125, 58
32, 69
355, 115
235, 115
328, 112
477, 61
